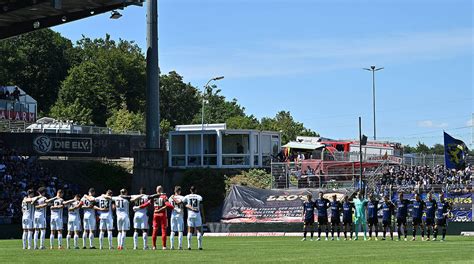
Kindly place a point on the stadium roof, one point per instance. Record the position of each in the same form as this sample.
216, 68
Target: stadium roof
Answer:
22, 16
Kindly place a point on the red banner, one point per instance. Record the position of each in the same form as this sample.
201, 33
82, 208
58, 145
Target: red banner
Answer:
17, 116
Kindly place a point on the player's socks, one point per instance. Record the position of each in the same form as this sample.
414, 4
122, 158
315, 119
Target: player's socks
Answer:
190, 236
124, 235
312, 234
422, 233
135, 239
35, 239
42, 238
101, 239
428, 233
199, 238
332, 232
172, 240
110, 238
119, 238
51, 240
370, 231
29, 238
60, 239
180, 239
327, 232
68, 237
319, 232
444, 233
435, 233
399, 232
84, 239
76, 240
153, 237
405, 232
145, 240
91, 239
24, 238
304, 234
338, 232
163, 237
414, 232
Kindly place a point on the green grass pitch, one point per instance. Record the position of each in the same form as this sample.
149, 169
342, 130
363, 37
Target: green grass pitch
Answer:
259, 250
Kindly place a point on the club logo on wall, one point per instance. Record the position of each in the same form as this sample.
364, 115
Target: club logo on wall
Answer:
42, 144
61, 145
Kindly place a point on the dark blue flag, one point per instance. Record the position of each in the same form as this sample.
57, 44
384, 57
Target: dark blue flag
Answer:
454, 152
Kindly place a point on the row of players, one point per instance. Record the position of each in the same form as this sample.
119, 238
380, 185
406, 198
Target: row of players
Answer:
34, 217
436, 215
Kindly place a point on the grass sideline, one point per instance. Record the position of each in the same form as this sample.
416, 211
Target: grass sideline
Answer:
456, 249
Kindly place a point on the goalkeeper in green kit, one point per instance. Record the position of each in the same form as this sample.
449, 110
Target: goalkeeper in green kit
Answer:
360, 203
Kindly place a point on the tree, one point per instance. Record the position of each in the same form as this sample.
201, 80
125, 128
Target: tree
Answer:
123, 121
217, 108
110, 74
179, 102
75, 112
165, 128
422, 148
242, 122
37, 62
409, 149
289, 128
437, 149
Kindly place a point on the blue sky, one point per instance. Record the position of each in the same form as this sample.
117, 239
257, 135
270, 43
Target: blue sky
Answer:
306, 57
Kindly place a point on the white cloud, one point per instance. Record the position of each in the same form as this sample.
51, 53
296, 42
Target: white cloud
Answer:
470, 122
430, 123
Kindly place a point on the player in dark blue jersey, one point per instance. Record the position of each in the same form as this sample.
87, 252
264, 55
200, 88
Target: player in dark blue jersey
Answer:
322, 204
388, 209
372, 218
347, 210
442, 212
418, 206
402, 213
336, 208
308, 216
431, 206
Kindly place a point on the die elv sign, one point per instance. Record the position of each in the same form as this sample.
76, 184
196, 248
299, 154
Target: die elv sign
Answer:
44, 144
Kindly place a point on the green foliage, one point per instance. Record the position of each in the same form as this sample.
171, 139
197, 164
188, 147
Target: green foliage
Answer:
242, 122
123, 120
284, 122
253, 178
209, 183
107, 176
75, 111
179, 102
37, 62
165, 127
438, 149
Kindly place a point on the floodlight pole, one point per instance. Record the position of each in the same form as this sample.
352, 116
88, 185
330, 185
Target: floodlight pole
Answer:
360, 154
203, 100
152, 78
373, 70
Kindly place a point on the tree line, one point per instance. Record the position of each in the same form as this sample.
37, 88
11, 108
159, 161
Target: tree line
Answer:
102, 82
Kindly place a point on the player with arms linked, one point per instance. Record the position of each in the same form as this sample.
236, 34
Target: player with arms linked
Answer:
193, 203
431, 206
402, 213
417, 214
442, 212
322, 204
336, 208
308, 216
347, 209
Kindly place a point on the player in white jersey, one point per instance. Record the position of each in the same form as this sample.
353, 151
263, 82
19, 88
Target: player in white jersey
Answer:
39, 221
140, 220
193, 203
27, 208
89, 221
73, 220
106, 223
177, 217
56, 222
122, 205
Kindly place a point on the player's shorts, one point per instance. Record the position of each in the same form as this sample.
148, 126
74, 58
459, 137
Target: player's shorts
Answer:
417, 221
373, 221
74, 225
123, 223
322, 220
56, 224
335, 220
106, 224
140, 221
194, 221
402, 221
39, 223
360, 220
89, 223
177, 224
387, 222
27, 223
441, 221
429, 221
347, 220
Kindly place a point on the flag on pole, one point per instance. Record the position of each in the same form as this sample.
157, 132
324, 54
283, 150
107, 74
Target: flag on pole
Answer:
455, 152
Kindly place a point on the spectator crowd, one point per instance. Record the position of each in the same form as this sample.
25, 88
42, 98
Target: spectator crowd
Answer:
17, 175
5, 94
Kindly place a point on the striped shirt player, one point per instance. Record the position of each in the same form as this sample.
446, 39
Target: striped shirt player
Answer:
27, 209
193, 204
177, 217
